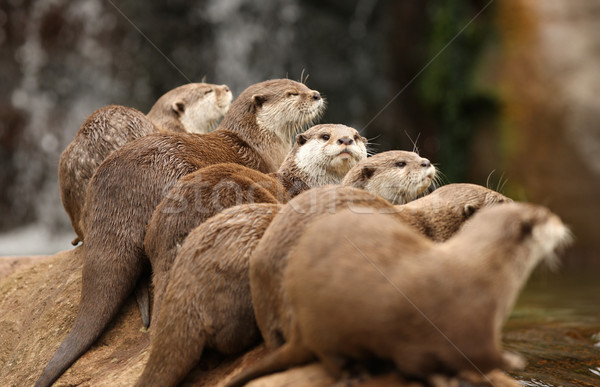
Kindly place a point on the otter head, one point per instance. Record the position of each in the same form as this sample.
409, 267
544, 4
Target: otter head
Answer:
521, 233
466, 199
325, 153
197, 107
200, 106
281, 106
397, 176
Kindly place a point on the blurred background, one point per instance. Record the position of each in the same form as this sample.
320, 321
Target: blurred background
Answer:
499, 93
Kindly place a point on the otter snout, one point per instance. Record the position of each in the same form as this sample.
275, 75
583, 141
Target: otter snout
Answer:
425, 163
345, 141
316, 95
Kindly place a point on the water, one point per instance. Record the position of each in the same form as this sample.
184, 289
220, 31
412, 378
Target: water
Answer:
556, 326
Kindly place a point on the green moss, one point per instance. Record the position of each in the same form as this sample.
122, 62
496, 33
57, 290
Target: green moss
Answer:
450, 89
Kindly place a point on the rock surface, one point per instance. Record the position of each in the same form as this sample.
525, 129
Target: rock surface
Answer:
39, 298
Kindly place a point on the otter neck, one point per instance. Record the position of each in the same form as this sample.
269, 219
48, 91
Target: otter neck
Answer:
293, 180
416, 218
165, 123
269, 145
493, 254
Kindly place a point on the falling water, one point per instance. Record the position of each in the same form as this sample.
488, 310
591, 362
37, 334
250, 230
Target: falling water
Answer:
78, 56
57, 89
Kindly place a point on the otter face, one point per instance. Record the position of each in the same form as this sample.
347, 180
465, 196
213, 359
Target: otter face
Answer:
327, 152
531, 233
540, 232
397, 176
286, 107
480, 197
202, 105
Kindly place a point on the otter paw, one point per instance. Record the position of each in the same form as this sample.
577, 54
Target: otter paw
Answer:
513, 361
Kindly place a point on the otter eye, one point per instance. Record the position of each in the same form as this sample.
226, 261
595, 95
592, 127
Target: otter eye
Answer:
526, 228
208, 91
401, 164
325, 137
356, 137
292, 93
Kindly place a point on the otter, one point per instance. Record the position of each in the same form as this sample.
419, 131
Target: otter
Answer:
213, 263
441, 213
390, 174
256, 132
437, 215
211, 270
376, 287
193, 108
321, 155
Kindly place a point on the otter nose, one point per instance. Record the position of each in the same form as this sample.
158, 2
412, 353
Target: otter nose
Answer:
425, 163
227, 89
345, 141
316, 96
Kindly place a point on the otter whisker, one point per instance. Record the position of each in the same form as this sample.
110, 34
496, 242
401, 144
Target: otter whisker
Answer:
487, 181
415, 148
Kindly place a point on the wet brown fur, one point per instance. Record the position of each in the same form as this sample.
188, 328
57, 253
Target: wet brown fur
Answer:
109, 128
377, 288
131, 182
102, 133
215, 311
438, 215
238, 230
200, 195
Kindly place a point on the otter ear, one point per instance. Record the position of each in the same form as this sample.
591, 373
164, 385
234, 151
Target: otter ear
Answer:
178, 107
469, 210
259, 99
367, 172
301, 139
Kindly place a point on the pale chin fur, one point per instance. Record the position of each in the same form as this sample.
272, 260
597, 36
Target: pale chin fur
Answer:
400, 187
548, 238
320, 161
207, 111
340, 165
290, 123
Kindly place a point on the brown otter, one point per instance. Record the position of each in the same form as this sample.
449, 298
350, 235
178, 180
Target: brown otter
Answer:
211, 270
213, 264
193, 108
121, 196
440, 214
392, 294
391, 174
437, 215
321, 155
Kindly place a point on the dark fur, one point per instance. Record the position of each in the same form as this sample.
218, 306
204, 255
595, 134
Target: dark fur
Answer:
129, 185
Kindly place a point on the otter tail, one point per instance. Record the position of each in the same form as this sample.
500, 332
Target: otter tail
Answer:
106, 283
286, 356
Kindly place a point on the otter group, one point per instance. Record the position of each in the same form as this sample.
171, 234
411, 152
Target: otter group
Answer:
271, 228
